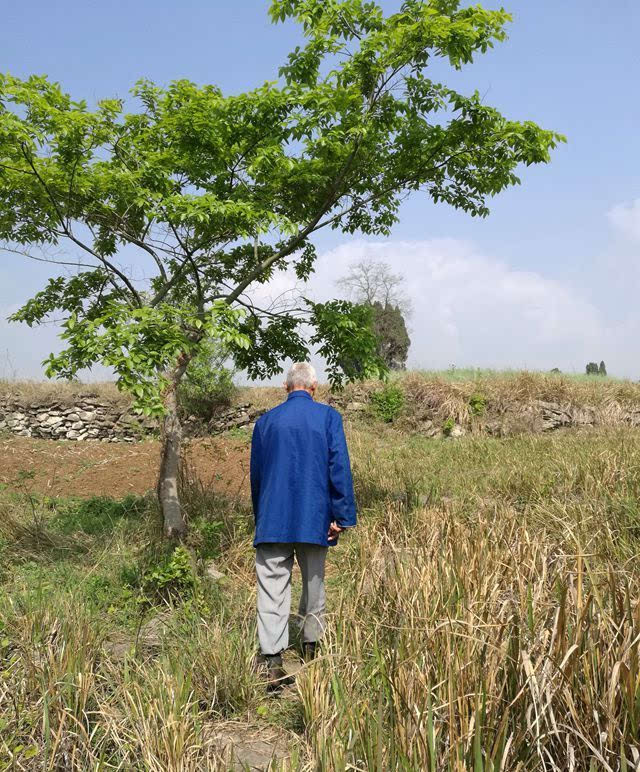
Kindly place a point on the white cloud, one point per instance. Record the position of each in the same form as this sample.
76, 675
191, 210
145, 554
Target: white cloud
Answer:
625, 218
470, 309
473, 310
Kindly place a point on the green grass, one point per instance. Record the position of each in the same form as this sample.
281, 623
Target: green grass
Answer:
457, 374
484, 615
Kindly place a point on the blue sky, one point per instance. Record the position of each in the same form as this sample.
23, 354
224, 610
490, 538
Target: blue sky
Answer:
564, 246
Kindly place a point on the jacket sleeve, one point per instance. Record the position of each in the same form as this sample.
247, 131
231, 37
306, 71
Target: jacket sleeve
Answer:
343, 503
255, 468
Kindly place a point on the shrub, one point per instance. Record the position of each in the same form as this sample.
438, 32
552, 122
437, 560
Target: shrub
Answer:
388, 402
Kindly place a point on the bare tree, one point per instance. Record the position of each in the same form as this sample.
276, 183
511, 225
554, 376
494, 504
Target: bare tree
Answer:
372, 281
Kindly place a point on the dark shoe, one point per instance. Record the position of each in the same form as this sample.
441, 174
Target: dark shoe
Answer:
309, 650
276, 674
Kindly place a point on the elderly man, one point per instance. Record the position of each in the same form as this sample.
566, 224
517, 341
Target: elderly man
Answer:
302, 495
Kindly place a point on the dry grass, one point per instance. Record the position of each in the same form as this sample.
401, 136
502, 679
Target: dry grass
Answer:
485, 615
441, 395
66, 392
445, 391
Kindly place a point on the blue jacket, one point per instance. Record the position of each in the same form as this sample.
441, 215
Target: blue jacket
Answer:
300, 473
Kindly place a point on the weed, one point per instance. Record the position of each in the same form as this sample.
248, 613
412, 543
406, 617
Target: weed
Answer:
239, 433
478, 404
173, 577
388, 402
448, 426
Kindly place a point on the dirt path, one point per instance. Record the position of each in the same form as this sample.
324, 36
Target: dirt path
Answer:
115, 469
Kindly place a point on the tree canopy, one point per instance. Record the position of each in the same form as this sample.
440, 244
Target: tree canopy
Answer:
390, 329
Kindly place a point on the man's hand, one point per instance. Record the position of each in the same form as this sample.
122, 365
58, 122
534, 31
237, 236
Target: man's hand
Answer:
334, 530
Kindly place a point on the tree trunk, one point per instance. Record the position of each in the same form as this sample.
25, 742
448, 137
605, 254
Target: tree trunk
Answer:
168, 495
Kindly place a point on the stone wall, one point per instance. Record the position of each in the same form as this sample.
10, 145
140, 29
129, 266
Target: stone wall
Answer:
88, 418
236, 417
510, 419
92, 418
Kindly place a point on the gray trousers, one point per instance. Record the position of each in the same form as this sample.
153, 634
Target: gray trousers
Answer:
274, 563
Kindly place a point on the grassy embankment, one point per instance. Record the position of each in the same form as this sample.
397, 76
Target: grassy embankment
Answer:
484, 615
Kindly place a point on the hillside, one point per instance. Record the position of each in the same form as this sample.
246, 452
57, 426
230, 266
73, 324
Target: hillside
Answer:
485, 614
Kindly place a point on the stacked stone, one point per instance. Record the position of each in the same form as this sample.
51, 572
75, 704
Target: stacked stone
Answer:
237, 417
90, 418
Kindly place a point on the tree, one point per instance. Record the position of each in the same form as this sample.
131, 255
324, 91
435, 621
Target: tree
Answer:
208, 382
206, 196
392, 336
593, 368
373, 284
373, 281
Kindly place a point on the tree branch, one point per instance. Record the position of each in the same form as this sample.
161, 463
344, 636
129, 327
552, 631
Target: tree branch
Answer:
23, 253
298, 239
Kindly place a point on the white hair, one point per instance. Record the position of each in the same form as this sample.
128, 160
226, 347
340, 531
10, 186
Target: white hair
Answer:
301, 375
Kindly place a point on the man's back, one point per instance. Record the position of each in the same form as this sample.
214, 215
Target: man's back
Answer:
300, 472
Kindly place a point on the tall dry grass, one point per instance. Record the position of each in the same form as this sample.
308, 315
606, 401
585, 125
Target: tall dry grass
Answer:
478, 645
484, 615
498, 626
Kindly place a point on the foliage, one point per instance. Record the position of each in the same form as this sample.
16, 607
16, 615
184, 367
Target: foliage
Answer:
448, 426
388, 402
348, 343
138, 343
208, 383
172, 577
478, 404
593, 368
392, 337
215, 194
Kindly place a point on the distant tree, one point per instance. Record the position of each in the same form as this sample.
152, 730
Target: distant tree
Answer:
556, 370
602, 370
372, 284
372, 281
208, 381
391, 332
592, 368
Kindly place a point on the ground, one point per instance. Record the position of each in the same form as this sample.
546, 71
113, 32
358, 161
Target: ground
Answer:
70, 468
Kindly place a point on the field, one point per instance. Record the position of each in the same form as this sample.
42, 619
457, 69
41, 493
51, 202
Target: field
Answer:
484, 615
